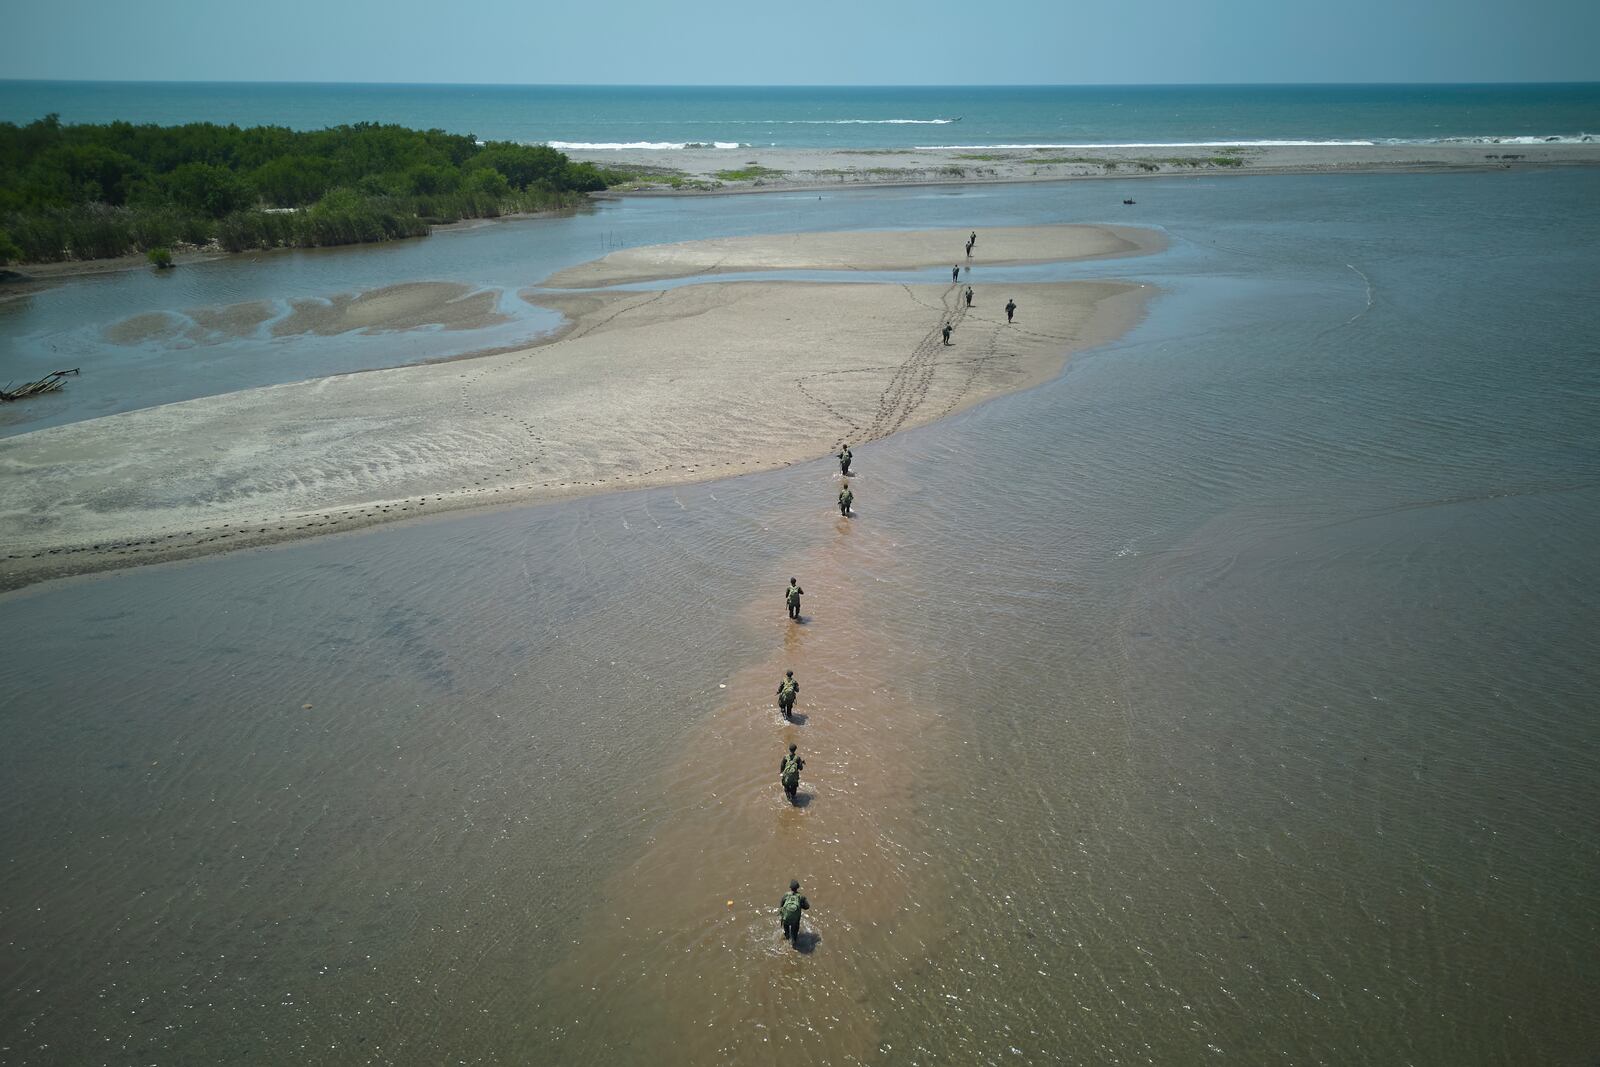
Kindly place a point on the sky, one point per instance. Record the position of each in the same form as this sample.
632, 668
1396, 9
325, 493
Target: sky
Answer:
825, 42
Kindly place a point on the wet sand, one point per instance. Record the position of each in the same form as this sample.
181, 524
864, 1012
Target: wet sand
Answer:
408, 306
234, 320
143, 328
206, 325
395, 307
912, 250
645, 388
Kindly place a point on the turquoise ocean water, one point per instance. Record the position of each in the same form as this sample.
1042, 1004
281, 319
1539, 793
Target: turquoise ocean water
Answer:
853, 117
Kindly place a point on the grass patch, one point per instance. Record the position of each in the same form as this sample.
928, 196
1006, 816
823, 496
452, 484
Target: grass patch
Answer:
750, 173
1147, 163
1190, 161
845, 172
632, 177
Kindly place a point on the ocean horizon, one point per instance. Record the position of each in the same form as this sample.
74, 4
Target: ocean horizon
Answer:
858, 118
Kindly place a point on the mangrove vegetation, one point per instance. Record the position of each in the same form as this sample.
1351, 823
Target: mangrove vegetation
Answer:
97, 191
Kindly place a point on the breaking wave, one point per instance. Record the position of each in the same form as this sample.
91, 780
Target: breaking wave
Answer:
1578, 138
1566, 138
863, 122
655, 146
1141, 144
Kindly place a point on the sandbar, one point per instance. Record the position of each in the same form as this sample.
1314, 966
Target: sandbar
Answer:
645, 388
407, 306
393, 308
200, 326
858, 250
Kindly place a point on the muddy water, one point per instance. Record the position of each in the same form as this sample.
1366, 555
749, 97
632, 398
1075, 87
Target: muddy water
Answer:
686, 945
1229, 698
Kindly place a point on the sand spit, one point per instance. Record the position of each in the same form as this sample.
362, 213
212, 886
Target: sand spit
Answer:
214, 324
410, 306
195, 326
776, 169
911, 250
395, 307
143, 328
646, 388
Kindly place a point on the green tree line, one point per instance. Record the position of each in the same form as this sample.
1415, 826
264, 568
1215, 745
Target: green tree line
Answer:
94, 191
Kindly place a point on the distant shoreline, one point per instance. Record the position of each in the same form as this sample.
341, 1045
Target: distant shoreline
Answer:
702, 171
22, 279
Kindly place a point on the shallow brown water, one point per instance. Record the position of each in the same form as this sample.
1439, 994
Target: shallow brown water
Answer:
1230, 699
684, 943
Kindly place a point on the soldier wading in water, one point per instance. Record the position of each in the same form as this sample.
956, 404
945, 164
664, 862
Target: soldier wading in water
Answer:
791, 596
844, 460
788, 689
789, 909
846, 498
789, 769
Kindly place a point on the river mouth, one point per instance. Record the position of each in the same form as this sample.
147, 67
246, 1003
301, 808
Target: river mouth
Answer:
1227, 695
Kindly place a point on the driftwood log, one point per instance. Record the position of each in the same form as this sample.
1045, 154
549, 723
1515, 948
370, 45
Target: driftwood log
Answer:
48, 384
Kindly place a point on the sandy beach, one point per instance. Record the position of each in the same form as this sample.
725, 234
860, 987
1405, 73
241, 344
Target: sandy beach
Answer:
644, 388
702, 170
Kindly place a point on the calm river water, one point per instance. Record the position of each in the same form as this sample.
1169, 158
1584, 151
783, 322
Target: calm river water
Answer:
1231, 698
